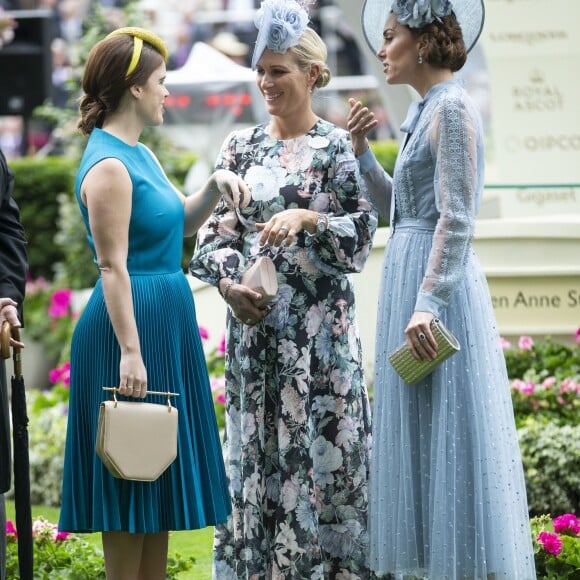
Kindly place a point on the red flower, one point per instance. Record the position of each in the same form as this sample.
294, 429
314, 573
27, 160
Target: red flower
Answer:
61, 373
61, 536
11, 532
566, 524
551, 542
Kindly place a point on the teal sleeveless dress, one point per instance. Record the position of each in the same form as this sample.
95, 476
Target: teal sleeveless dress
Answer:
193, 492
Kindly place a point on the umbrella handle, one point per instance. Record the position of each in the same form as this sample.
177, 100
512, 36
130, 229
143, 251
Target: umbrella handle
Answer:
6, 332
5, 339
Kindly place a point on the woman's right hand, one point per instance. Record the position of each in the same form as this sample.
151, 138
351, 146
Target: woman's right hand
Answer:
359, 122
133, 382
243, 302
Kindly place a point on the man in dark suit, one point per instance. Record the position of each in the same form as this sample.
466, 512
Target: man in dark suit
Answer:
13, 269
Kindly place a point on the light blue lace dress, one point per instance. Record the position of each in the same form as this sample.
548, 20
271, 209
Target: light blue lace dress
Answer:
447, 492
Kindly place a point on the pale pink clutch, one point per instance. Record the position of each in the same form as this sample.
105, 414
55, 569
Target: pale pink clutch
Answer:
261, 277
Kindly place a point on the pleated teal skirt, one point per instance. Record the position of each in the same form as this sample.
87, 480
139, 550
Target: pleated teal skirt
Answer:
193, 492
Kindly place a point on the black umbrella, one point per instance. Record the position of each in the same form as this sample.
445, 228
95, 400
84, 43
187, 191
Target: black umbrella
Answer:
20, 455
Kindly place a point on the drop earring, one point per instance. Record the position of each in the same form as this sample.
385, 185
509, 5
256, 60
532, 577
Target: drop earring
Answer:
420, 59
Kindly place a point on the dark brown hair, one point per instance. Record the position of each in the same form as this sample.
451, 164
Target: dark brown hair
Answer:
104, 78
441, 43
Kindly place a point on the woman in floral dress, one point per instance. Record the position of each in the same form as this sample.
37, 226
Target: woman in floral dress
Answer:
297, 410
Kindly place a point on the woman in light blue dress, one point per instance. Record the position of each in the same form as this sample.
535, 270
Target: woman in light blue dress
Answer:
447, 497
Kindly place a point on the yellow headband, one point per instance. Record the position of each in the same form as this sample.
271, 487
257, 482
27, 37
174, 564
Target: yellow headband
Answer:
139, 35
137, 47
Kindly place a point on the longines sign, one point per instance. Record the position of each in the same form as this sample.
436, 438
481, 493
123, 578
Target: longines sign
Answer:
531, 53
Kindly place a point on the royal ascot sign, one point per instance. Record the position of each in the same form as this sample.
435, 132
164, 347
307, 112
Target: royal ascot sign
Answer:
531, 54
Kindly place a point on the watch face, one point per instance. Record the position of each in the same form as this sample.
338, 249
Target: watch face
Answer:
321, 224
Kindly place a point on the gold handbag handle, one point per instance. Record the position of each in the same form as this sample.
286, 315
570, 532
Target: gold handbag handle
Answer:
167, 394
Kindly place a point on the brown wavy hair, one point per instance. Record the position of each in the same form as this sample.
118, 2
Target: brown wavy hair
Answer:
104, 79
442, 43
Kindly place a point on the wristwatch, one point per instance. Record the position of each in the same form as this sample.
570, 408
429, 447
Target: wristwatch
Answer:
321, 223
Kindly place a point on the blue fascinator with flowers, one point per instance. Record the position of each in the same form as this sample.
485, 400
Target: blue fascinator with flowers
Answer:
418, 13
280, 25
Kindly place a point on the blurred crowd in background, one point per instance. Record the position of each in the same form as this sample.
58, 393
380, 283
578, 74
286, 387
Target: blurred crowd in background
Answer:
227, 25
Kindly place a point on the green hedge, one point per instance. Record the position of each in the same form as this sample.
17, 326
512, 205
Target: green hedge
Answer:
37, 184
386, 153
551, 458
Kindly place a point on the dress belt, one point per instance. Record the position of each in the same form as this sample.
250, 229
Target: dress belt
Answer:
408, 224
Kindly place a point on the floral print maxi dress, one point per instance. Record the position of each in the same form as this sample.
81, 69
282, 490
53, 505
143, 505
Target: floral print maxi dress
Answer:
297, 412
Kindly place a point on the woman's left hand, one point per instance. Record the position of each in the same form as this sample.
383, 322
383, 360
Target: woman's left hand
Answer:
420, 339
283, 227
234, 189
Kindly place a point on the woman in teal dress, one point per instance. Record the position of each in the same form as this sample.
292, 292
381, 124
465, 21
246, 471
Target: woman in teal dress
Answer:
138, 330
447, 497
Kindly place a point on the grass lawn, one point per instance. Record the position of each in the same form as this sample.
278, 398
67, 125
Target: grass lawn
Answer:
196, 543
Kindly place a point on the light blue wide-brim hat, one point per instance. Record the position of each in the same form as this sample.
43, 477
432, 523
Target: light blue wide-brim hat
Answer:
469, 13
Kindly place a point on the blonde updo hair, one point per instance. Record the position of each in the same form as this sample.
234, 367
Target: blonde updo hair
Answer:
309, 51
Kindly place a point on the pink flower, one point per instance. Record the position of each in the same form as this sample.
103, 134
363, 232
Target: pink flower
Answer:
221, 399
217, 383
505, 344
60, 374
10, 529
222, 346
60, 303
523, 387
203, 333
568, 386
548, 383
36, 285
525, 343
578, 336
566, 524
61, 536
529, 388
550, 542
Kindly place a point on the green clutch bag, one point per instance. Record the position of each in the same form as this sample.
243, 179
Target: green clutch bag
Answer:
412, 370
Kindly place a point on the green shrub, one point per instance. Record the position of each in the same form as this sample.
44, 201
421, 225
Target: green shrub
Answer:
551, 458
37, 184
544, 380
545, 357
386, 153
63, 555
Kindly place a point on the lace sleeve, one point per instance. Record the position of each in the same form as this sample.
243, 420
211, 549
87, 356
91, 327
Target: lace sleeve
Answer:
219, 241
457, 149
378, 184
